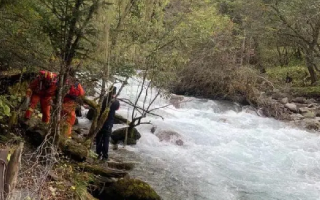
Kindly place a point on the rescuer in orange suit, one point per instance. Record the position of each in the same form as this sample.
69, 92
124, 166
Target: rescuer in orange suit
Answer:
69, 104
42, 89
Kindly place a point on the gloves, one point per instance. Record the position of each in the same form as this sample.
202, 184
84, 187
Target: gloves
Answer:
29, 93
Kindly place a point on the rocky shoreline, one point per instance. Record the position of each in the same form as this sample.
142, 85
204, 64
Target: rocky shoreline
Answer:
301, 112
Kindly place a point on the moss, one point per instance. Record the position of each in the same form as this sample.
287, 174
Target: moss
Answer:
81, 183
19, 89
75, 150
119, 135
13, 120
130, 189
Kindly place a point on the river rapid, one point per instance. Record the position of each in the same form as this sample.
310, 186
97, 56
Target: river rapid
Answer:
227, 153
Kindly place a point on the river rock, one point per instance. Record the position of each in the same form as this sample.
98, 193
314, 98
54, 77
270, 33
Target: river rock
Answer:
311, 124
249, 109
291, 106
299, 100
90, 114
153, 129
119, 135
176, 100
129, 189
170, 136
311, 101
296, 117
284, 100
307, 112
312, 105
304, 110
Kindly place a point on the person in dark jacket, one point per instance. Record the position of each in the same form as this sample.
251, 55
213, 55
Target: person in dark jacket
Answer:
102, 138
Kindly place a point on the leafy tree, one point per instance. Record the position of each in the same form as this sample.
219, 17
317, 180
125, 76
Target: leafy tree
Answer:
299, 22
69, 26
23, 44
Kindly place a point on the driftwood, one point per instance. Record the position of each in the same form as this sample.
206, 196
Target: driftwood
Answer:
106, 172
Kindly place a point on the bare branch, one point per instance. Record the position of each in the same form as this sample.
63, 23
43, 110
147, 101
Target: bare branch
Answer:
122, 86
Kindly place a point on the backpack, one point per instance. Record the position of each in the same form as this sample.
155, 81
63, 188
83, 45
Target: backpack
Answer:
74, 91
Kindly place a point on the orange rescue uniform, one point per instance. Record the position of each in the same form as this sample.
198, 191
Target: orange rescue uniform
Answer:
69, 107
42, 89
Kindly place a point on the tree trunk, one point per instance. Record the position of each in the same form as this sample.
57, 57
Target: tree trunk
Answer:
58, 106
4, 162
13, 170
309, 64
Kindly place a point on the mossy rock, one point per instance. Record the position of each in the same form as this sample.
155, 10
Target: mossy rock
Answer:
90, 114
74, 150
119, 135
129, 189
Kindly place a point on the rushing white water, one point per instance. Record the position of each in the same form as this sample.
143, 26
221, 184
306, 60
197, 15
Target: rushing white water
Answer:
226, 154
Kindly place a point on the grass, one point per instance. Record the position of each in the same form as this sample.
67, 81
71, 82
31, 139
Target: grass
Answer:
297, 72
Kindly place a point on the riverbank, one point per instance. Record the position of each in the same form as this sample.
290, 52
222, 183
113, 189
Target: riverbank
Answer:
300, 111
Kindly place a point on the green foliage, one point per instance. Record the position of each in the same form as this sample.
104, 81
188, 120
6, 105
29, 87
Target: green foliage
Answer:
69, 26
23, 45
5, 110
296, 72
309, 91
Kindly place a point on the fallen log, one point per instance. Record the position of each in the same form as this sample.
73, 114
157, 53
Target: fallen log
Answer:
106, 172
121, 165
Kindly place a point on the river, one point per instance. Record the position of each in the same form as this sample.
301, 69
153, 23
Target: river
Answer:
227, 153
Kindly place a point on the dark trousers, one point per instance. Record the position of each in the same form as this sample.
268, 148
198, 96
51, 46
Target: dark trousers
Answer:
102, 141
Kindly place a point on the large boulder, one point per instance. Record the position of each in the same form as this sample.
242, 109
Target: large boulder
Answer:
299, 100
119, 135
170, 136
129, 189
284, 100
90, 114
292, 107
307, 112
